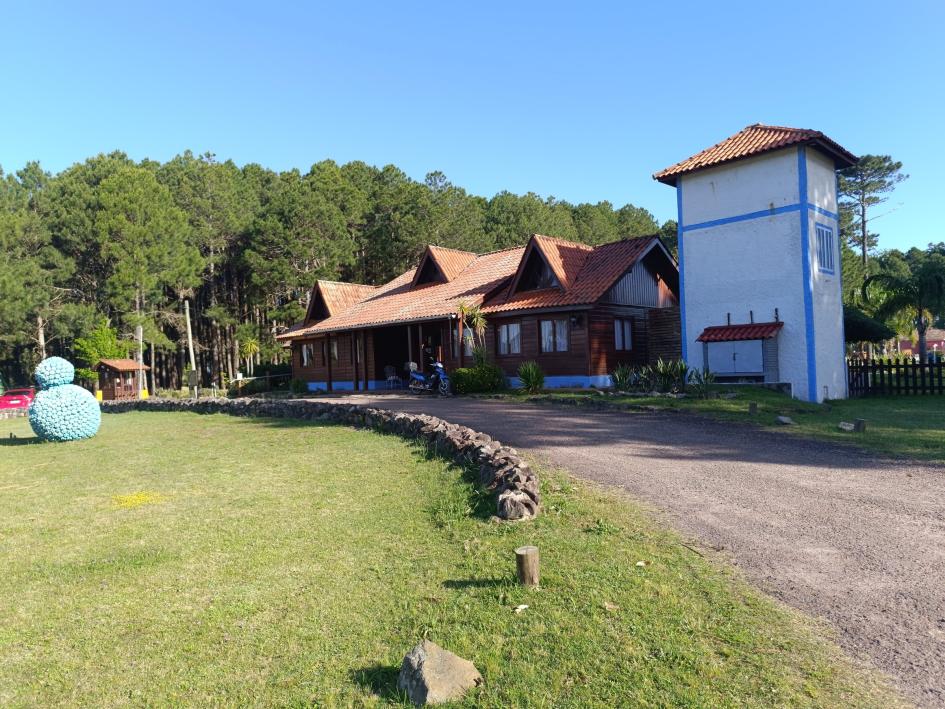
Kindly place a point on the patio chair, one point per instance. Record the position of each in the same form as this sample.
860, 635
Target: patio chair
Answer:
393, 380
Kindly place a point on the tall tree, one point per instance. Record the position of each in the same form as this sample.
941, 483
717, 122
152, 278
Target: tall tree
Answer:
862, 187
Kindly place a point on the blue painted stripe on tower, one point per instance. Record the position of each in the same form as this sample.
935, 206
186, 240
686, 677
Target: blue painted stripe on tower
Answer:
682, 271
808, 276
744, 217
825, 212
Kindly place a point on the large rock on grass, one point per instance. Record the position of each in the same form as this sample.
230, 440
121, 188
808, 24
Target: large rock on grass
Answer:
432, 675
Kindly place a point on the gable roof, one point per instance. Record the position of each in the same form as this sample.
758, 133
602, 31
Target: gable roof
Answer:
755, 140
486, 281
590, 271
449, 262
337, 296
121, 365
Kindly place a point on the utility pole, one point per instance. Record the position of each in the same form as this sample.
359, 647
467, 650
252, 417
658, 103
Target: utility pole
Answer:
139, 336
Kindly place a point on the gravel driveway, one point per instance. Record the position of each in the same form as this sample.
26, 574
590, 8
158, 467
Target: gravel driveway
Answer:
842, 535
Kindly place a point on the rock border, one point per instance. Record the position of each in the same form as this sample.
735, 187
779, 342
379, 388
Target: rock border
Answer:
501, 469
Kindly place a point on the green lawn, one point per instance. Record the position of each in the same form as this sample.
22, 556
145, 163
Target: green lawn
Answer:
178, 559
902, 426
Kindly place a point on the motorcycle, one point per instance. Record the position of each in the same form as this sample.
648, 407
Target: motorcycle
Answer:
438, 381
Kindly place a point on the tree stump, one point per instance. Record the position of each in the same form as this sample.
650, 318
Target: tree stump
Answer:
526, 563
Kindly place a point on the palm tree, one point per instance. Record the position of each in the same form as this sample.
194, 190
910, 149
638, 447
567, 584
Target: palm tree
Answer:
918, 294
475, 321
249, 348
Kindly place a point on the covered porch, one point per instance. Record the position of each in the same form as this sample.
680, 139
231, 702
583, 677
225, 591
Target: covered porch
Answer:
378, 358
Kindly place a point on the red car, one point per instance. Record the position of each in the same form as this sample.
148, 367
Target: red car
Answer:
16, 399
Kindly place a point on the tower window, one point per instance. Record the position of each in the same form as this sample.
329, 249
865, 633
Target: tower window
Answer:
826, 259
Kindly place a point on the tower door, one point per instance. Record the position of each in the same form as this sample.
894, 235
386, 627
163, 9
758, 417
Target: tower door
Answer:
738, 357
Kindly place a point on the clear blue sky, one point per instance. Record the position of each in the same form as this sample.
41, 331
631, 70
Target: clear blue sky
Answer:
583, 101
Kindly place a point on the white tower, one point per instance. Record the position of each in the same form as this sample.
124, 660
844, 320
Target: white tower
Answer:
759, 259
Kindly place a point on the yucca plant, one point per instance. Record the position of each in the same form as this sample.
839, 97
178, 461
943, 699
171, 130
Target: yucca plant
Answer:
622, 377
670, 375
702, 381
533, 379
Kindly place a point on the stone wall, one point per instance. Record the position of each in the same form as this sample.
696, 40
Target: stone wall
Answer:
500, 468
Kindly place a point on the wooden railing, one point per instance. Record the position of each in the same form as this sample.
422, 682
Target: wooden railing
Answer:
889, 377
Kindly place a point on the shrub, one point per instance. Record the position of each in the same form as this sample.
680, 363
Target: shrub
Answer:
533, 379
623, 377
480, 379
298, 386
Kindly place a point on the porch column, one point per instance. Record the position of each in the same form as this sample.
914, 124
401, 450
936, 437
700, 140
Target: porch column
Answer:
355, 376
461, 344
421, 364
409, 345
328, 357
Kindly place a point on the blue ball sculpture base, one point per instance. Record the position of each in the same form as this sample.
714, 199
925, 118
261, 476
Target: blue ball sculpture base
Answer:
62, 411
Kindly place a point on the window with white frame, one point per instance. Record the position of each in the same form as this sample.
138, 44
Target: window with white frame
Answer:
554, 335
510, 338
826, 260
623, 334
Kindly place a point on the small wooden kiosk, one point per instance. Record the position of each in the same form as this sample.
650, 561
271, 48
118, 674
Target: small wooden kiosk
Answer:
118, 378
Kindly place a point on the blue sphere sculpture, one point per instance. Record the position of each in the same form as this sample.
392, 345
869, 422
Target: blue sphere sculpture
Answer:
62, 411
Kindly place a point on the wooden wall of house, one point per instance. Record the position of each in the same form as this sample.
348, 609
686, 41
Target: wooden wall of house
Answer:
604, 356
665, 334
345, 368
572, 362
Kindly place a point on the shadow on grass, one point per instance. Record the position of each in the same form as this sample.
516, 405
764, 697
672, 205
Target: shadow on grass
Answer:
380, 680
19, 441
476, 583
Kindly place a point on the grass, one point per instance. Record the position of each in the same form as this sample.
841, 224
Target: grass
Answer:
911, 427
178, 559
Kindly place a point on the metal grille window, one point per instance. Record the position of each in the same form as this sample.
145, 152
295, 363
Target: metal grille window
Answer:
510, 338
623, 334
554, 335
825, 249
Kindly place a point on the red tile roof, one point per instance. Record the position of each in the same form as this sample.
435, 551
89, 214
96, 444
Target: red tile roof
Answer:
122, 365
755, 140
450, 261
594, 271
588, 271
398, 301
748, 331
339, 297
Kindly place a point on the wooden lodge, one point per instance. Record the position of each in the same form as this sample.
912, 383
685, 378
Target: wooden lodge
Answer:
118, 378
577, 310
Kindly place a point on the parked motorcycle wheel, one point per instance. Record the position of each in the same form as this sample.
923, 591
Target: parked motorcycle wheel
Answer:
443, 387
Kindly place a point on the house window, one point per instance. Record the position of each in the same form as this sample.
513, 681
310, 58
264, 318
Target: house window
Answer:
334, 350
510, 339
623, 334
554, 335
308, 354
825, 249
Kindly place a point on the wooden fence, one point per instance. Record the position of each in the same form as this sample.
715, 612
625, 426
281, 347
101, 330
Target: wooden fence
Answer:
887, 377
